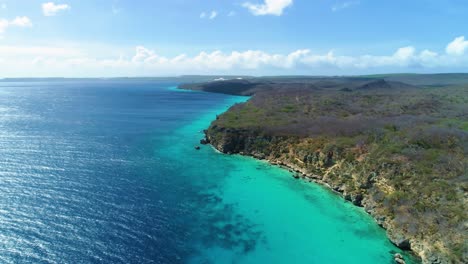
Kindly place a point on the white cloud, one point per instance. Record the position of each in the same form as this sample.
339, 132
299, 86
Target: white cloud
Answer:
17, 22
56, 61
405, 53
143, 54
4, 24
3, 6
268, 7
457, 47
21, 22
344, 5
213, 14
231, 14
51, 9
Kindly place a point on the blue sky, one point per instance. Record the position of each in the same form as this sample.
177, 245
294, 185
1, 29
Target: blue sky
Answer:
101, 38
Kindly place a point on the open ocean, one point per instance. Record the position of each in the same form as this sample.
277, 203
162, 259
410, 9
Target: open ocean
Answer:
106, 172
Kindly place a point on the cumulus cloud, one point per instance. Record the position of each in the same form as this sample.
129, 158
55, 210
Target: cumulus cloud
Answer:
268, 7
4, 24
145, 61
212, 15
51, 9
344, 5
457, 47
143, 54
21, 22
17, 22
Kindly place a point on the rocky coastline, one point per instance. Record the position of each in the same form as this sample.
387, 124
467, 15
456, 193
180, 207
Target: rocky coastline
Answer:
235, 142
397, 150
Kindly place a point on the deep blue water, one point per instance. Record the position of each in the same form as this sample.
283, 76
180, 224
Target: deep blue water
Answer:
106, 172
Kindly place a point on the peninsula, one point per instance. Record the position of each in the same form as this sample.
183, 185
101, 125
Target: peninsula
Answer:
395, 144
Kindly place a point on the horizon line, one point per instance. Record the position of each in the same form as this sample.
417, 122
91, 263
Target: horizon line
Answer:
234, 75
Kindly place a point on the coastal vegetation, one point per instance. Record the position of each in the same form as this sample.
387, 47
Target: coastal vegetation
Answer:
399, 149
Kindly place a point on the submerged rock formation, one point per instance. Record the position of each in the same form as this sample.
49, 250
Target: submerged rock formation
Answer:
399, 259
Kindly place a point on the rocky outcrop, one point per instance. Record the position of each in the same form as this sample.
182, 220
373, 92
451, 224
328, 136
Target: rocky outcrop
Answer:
399, 258
399, 239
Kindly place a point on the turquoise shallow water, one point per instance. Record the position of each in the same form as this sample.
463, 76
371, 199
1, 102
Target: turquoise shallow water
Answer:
106, 172
258, 213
